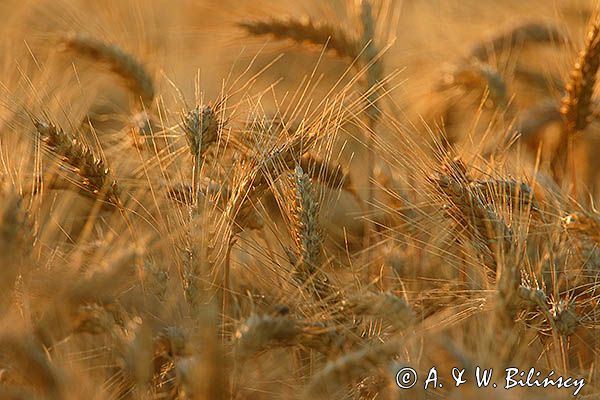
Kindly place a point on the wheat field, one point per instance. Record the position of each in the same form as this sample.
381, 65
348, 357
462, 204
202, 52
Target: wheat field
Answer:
280, 199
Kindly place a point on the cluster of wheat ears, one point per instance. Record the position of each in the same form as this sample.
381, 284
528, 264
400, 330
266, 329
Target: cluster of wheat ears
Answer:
230, 248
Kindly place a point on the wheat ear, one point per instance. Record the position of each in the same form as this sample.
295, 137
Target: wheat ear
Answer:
260, 333
395, 310
526, 32
348, 368
471, 211
328, 172
121, 63
576, 104
95, 176
562, 316
201, 129
536, 118
470, 208
261, 173
255, 180
477, 75
307, 235
304, 31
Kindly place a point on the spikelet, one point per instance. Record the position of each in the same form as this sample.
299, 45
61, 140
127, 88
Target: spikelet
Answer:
534, 296
518, 195
95, 176
562, 316
305, 31
122, 64
322, 169
255, 179
201, 129
323, 338
492, 237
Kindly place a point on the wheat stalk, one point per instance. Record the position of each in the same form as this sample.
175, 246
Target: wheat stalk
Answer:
16, 243
370, 58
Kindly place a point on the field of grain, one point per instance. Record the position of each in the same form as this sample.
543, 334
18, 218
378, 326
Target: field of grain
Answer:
299, 199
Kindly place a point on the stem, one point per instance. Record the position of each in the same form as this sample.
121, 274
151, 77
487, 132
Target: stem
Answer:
225, 287
196, 178
369, 226
571, 166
